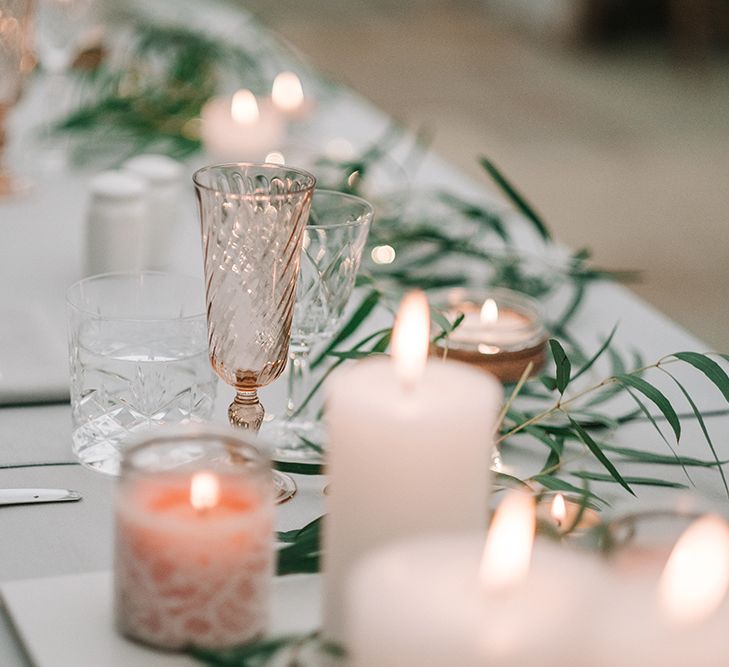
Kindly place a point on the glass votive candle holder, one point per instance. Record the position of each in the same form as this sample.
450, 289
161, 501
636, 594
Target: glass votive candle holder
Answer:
194, 539
566, 517
502, 332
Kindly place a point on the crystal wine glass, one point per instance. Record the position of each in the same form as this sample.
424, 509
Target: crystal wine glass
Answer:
330, 258
252, 219
16, 61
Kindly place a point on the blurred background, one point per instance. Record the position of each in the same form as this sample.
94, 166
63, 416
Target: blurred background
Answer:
611, 115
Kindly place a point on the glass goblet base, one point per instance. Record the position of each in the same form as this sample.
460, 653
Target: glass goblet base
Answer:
295, 441
284, 488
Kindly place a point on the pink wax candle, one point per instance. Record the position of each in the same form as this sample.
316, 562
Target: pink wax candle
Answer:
194, 544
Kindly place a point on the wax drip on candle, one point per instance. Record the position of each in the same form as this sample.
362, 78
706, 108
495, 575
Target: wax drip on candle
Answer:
509, 542
559, 510
244, 108
204, 491
287, 93
411, 338
696, 577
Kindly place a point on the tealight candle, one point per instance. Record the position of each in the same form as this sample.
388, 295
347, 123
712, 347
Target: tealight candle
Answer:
448, 600
562, 513
194, 533
240, 128
409, 451
501, 332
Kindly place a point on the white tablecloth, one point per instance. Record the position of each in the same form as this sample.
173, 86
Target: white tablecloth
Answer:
41, 255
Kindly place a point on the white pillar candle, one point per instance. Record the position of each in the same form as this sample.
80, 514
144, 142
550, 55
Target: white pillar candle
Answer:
240, 128
676, 619
442, 600
409, 451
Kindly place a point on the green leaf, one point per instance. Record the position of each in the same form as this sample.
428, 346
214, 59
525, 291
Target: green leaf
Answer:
350, 354
381, 345
618, 367
302, 553
287, 536
509, 481
487, 218
548, 382
591, 419
638, 481
702, 424
599, 455
572, 307
641, 456
557, 484
367, 305
555, 444
597, 355
657, 397
517, 199
299, 468
456, 323
256, 654
562, 363
709, 368
384, 333
440, 320
650, 418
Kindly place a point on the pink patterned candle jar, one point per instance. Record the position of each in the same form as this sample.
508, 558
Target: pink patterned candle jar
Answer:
194, 540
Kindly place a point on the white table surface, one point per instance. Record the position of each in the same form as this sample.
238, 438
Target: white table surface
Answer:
41, 255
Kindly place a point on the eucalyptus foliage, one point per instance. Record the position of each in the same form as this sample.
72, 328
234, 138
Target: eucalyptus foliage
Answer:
152, 100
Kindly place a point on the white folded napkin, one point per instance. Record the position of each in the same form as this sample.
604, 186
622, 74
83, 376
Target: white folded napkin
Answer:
33, 357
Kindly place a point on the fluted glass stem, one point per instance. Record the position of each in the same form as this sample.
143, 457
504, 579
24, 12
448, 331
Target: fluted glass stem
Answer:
298, 384
246, 411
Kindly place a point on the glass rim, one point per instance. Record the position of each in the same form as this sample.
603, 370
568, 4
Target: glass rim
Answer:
524, 304
130, 274
365, 218
196, 179
257, 460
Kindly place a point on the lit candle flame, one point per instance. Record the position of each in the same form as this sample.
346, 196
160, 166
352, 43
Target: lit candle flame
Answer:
204, 491
489, 312
287, 93
244, 107
695, 579
509, 542
559, 510
411, 337
275, 157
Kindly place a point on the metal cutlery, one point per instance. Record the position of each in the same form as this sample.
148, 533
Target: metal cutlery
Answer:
29, 496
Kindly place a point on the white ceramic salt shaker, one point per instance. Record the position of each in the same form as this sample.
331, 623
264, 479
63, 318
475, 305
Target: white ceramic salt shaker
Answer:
116, 220
163, 176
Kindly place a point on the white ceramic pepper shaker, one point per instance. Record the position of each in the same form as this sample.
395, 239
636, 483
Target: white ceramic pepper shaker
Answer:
163, 176
116, 220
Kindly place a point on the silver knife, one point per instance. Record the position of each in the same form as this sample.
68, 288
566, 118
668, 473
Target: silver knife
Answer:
25, 496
